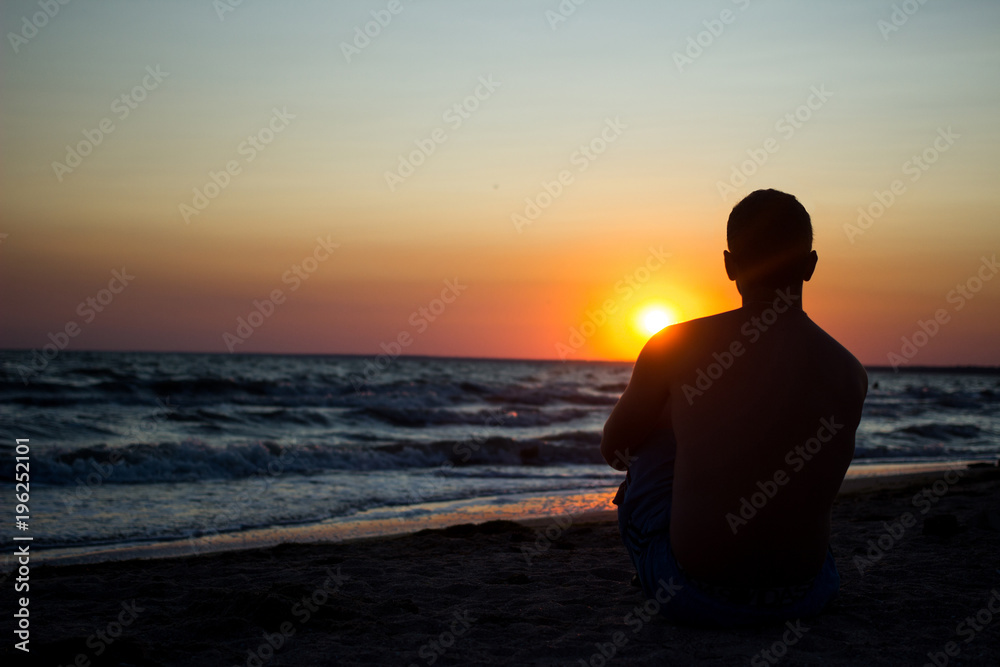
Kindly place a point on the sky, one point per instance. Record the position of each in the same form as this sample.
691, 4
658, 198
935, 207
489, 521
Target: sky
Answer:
513, 179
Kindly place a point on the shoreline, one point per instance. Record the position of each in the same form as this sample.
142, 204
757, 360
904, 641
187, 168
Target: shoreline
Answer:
525, 509
502, 592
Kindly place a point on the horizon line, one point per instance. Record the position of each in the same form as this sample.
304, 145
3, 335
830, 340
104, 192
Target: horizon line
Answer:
911, 369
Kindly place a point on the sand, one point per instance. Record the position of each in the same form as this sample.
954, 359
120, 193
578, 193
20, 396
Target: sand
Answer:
497, 593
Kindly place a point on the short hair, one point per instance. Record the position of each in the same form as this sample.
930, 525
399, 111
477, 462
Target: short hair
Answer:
770, 233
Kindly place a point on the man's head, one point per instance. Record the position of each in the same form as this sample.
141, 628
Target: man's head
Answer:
770, 241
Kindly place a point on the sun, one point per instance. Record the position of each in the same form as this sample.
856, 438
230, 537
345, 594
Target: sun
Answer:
655, 317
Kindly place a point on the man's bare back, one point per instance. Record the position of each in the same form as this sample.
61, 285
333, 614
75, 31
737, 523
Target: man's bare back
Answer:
776, 428
764, 406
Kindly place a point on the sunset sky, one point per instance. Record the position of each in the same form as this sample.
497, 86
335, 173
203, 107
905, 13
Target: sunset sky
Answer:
387, 185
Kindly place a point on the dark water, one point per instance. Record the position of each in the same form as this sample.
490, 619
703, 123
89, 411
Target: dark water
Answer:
128, 446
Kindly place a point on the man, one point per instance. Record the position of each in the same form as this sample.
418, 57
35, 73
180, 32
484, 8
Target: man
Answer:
737, 430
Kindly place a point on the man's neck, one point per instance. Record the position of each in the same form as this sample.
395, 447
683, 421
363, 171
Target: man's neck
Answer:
756, 297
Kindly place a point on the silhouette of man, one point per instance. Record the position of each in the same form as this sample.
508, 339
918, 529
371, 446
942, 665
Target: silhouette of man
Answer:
737, 430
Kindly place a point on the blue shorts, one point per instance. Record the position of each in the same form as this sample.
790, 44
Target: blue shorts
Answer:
644, 502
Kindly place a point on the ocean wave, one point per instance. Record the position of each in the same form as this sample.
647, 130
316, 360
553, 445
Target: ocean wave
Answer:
89, 386
418, 417
548, 396
934, 450
194, 460
957, 398
936, 431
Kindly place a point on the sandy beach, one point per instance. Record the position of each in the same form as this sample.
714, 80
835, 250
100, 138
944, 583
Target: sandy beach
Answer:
330, 330
919, 567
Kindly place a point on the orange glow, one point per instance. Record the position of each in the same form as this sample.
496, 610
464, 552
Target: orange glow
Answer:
654, 317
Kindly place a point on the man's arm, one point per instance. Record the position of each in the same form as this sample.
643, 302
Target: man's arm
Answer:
642, 407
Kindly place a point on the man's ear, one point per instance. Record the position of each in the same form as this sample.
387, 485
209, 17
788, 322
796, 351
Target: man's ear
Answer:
730, 261
810, 266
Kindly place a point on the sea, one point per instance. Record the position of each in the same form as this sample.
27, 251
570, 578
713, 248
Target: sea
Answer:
127, 450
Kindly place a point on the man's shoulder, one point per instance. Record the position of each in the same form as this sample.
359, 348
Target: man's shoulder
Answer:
843, 363
675, 347
699, 325
679, 334
835, 349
